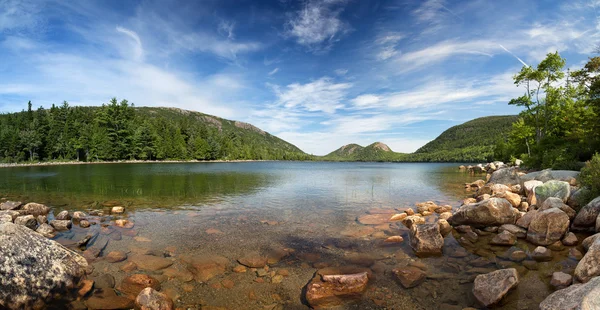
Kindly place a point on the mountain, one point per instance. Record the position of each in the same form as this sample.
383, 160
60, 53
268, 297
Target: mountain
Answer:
472, 141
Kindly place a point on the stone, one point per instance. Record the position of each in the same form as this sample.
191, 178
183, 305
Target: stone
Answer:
150, 299
253, 260
42, 219
497, 189
116, 256
108, 300
554, 202
514, 199
575, 254
576, 296
398, 217
206, 267
548, 226
61, 225
570, 239
78, 215
561, 280
589, 266
5, 218
504, 238
412, 220
117, 210
529, 186
587, 242
134, 284
10, 205
541, 254
28, 221
63, 215
150, 262
35, 209
445, 227
409, 212
84, 224
334, 290
463, 229
85, 287
490, 288
467, 201
525, 220
518, 256
553, 188
506, 176
374, 219
445, 215
586, 218
409, 276
104, 281
46, 231
490, 212
33, 269
425, 239
394, 239
121, 222
549, 174
513, 229
524, 206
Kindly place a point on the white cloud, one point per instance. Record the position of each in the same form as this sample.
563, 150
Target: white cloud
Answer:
322, 95
365, 100
18, 14
317, 25
274, 71
226, 29
340, 72
138, 50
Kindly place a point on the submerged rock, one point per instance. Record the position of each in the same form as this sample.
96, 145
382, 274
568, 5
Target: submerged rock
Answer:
504, 238
34, 269
548, 226
541, 254
425, 239
331, 290
150, 299
586, 218
134, 284
206, 267
108, 299
490, 212
409, 276
576, 296
490, 288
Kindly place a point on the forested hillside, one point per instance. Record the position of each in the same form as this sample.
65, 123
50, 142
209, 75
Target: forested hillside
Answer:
353, 152
120, 131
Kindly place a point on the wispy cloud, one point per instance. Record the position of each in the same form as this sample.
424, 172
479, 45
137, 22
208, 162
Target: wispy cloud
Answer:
138, 50
340, 72
322, 95
273, 71
226, 28
515, 56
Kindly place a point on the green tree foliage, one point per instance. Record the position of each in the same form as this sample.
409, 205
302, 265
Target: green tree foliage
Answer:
590, 177
119, 131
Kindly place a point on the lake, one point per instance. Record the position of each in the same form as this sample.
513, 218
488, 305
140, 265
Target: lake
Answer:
302, 216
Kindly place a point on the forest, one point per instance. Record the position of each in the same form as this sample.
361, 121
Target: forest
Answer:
121, 131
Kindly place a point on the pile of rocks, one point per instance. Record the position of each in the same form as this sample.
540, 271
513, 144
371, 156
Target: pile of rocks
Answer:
487, 168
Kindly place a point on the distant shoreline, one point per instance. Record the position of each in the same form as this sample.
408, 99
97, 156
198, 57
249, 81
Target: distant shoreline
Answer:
64, 163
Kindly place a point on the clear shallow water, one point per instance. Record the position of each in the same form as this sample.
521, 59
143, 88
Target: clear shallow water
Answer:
310, 209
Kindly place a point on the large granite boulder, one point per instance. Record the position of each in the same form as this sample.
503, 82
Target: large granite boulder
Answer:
589, 266
547, 226
559, 189
576, 296
10, 205
489, 212
33, 269
506, 176
491, 287
554, 202
549, 174
35, 209
426, 239
586, 218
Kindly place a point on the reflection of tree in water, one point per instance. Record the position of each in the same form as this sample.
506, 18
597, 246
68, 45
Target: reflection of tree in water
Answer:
83, 184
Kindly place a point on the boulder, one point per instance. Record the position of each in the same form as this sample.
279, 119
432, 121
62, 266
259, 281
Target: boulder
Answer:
586, 218
513, 229
425, 239
549, 174
46, 231
506, 176
587, 242
530, 186
504, 238
150, 299
333, 290
499, 189
554, 202
412, 220
577, 198
525, 220
63, 215
5, 218
589, 266
559, 189
445, 227
541, 254
28, 221
35, 209
61, 225
576, 296
33, 269
561, 279
42, 219
409, 276
117, 210
10, 205
514, 199
11, 213
490, 288
547, 227
570, 239
78, 216
445, 215
134, 284
490, 212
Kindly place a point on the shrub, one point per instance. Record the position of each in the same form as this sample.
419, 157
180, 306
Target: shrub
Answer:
590, 177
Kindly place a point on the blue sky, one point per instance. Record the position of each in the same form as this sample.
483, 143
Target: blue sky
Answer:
317, 73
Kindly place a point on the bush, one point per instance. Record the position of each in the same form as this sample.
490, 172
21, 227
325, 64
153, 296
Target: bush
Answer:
590, 177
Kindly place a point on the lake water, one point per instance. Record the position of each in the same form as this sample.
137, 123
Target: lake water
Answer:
305, 210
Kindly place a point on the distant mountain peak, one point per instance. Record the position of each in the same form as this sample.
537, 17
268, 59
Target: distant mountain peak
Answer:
381, 146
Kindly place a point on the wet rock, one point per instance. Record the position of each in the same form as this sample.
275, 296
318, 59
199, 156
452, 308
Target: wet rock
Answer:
445, 215
117, 210
409, 276
78, 215
547, 227
575, 254
61, 225
589, 266
150, 299
150, 262
490, 288
104, 281
85, 287
491, 212
428, 206
394, 239
357, 231
134, 284
513, 229
63, 215
46, 231
463, 229
518, 256
443, 209
28, 221
253, 260
586, 218
445, 227
506, 176
33, 269
116, 256
84, 224
552, 188
108, 300
121, 222
398, 217
10, 205
471, 236
504, 238
409, 212
333, 290
425, 239
206, 267
35, 209
557, 203
412, 220
576, 296
541, 254
570, 239
561, 280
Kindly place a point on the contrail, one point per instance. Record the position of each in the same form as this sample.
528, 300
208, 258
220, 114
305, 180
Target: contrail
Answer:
515, 56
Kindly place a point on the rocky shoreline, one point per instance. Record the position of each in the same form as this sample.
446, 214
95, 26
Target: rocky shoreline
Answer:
540, 209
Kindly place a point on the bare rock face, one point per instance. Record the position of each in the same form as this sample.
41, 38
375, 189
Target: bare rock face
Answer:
150, 299
489, 212
576, 296
490, 288
409, 276
589, 266
548, 226
331, 290
34, 269
425, 239
586, 218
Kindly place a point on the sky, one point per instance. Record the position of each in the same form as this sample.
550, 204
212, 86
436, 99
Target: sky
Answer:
316, 73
